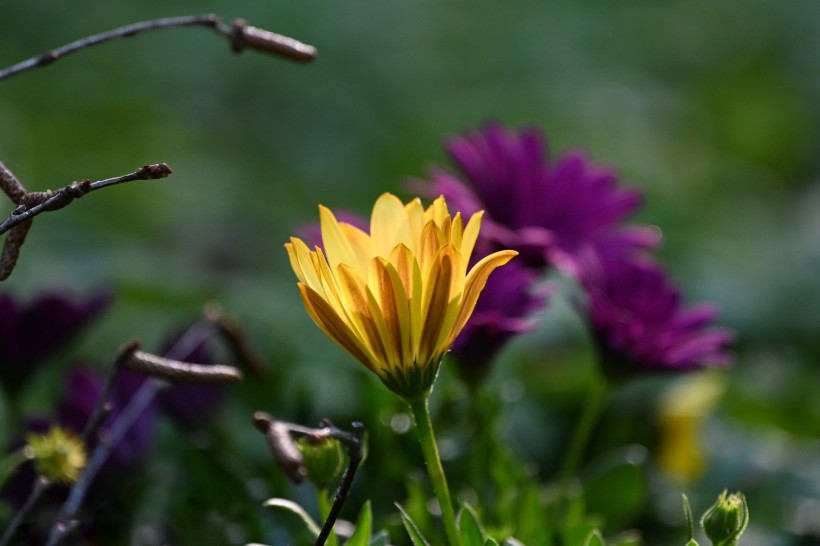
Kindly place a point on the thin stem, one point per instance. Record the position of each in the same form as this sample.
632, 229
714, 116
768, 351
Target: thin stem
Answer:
590, 413
60, 198
41, 483
354, 455
240, 35
324, 511
421, 414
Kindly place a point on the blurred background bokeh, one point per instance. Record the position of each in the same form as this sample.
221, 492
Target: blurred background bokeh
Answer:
711, 109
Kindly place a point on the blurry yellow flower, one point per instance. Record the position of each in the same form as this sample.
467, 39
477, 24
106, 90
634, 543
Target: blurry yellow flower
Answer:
684, 408
397, 298
58, 454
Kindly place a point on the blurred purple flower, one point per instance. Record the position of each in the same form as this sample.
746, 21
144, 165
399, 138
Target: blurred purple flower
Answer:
83, 392
548, 211
31, 333
502, 312
192, 405
640, 324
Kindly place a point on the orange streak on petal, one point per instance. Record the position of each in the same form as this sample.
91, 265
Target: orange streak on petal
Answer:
331, 324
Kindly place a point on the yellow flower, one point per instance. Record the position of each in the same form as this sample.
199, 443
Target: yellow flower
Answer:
397, 298
58, 454
682, 413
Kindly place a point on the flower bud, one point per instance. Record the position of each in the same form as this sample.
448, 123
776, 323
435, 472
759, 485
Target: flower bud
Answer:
323, 459
58, 455
726, 520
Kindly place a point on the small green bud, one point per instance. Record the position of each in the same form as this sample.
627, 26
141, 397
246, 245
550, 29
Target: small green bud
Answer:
323, 459
726, 520
58, 454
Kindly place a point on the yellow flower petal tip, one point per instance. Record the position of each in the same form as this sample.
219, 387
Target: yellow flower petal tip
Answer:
397, 297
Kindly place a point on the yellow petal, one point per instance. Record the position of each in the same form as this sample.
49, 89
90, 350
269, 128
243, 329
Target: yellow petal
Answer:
337, 246
361, 244
368, 321
437, 211
429, 245
388, 224
415, 222
437, 286
387, 287
470, 235
476, 280
409, 272
329, 284
334, 327
302, 264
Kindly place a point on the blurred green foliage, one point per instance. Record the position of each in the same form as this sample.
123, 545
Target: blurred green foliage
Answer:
711, 109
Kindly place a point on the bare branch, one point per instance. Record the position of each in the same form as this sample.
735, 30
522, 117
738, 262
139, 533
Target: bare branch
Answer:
11, 248
178, 371
284, 451
38, 202
240, 35
11, 185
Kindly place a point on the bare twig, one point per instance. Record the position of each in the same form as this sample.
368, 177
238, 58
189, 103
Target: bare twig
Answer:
354, 454
35, 203
12, 187
284, 451
281, 445
40, 485
177, 371
30, 204
239, 34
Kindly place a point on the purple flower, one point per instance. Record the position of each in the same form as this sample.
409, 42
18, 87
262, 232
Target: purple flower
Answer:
547, 210
640, 323
83, 392
502, 312
192, 405
33, 332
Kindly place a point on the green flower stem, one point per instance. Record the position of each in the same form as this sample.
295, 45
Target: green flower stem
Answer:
324, 512
421, 414
591, 411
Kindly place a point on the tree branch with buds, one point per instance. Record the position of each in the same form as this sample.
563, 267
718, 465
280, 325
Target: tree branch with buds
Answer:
239, 34
30, 204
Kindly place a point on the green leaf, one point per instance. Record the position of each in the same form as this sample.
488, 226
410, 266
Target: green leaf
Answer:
578, 534
510, 541
490, 542
690, 521
364, 528
692, 542
595, 538
381, 539
532, 527
416, 504
412, 530
469, 527
294, 508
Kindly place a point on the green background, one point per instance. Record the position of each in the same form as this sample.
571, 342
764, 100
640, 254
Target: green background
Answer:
712, 109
